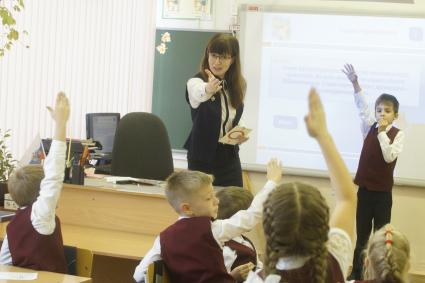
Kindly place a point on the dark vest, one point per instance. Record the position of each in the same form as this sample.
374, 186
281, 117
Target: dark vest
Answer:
203, 138
373, 172
33, 250
304, 273
191, 253
244, 254
365, 281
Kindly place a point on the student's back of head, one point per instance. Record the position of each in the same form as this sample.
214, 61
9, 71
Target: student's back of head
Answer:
24, 184
295, 223
183, 185
388, 256
232, 199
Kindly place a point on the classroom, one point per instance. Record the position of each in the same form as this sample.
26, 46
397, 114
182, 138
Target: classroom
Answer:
108, 56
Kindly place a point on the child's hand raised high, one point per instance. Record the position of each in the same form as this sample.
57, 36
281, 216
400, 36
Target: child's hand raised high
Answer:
352, 76
274, 170
315, 119
350, 73
61, 112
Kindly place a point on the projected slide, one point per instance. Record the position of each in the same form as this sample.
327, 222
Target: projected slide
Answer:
289, 53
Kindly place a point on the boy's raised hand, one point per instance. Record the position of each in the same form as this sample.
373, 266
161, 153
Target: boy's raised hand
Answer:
61, 112
315, 119
352, 76
213, 84
350, 73
274, 170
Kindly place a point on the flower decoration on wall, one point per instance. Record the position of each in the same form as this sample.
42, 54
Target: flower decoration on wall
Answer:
162, 47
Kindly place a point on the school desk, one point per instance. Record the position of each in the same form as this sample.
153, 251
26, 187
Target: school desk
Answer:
44, 276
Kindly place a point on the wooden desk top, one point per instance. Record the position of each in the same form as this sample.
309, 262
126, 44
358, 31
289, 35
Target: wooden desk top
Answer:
44, 276
107, 242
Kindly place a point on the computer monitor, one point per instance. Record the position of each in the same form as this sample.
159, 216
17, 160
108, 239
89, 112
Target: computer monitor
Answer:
101, 127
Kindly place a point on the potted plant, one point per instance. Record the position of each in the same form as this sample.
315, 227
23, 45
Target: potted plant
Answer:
7, 164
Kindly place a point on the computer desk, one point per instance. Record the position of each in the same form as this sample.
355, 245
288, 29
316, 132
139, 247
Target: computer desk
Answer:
116, 221
44, 276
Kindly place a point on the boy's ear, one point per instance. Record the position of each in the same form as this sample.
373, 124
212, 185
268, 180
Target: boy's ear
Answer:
185, 209
396, 115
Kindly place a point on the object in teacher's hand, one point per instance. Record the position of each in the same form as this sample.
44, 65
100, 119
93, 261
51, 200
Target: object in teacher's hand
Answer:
234, 135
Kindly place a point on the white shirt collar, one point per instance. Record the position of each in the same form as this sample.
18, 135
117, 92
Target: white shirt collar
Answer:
291, 262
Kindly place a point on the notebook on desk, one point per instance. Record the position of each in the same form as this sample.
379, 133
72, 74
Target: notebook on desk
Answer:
6, 215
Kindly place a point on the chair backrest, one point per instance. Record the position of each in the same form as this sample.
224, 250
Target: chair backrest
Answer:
142, 148
157, 273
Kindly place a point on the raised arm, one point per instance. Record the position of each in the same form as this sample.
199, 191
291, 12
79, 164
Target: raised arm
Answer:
352, 77
43, 209
245, 220
344, 213
200, 91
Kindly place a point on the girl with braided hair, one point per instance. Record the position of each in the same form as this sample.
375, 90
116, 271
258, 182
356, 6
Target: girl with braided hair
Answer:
305, 244
387, 259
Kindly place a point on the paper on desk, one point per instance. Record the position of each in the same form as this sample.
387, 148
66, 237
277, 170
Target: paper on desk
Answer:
232, 136
22, 276
114, 179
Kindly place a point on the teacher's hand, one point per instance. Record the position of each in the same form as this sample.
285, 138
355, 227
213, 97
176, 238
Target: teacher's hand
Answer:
213, 84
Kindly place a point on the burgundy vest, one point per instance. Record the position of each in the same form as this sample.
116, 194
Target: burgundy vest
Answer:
373, 172
244, 254
304, 273
191, 253
33, 250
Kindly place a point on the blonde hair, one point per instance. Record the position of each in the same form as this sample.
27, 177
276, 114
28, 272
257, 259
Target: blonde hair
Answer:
388, 253
231, 200
180, 186
24, 184
295, 223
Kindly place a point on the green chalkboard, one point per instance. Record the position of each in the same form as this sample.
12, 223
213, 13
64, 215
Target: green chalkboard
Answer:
172, 70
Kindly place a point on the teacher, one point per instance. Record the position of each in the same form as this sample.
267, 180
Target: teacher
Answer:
216, 96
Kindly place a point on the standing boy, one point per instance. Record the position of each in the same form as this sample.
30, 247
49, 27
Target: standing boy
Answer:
33, 237
382, 144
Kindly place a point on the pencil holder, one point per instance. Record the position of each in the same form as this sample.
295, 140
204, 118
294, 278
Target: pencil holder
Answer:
77, 175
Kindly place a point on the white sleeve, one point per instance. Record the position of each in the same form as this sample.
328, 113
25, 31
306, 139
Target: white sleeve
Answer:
153, 254
229, 256
196, 91
390, 151
253, 277
339, 245
5, 256
366, 116
43, 209
224, 230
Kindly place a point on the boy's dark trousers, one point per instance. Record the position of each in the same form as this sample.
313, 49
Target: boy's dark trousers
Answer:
371, 206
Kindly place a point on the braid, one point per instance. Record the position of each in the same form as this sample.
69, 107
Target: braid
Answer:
319, 263
271, 255
388, 252
295, 222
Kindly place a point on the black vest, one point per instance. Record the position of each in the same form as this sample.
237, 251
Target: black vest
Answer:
203, 138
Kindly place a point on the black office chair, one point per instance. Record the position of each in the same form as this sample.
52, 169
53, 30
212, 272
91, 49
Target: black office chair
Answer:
142, 148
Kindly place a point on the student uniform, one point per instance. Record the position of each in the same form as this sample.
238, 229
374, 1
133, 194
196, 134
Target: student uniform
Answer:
189, 240
34, 238
374, 177
339, 259
212, 118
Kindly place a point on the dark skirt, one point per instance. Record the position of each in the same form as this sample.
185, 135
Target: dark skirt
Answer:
226, 166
